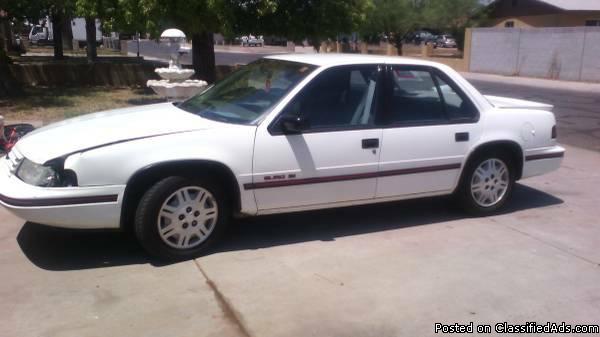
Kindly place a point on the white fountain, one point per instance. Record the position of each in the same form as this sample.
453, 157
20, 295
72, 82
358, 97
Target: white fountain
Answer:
175, 84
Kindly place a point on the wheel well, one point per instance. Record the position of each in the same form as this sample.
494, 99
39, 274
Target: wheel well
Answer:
509, 147
145, 178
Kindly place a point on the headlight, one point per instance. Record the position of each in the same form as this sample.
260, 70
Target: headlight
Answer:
38, 175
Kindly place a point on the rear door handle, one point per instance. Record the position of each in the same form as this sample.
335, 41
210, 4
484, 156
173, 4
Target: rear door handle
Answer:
370, 143
461, 137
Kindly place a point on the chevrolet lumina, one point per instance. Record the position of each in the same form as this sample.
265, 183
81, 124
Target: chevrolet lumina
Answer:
286, 133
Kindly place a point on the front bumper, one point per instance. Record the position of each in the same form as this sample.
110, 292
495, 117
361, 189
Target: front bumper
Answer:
542, 161
68, 207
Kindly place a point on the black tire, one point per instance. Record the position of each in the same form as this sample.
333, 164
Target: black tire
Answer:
466, 198
146, 222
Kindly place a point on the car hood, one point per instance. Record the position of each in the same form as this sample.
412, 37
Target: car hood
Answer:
108, 127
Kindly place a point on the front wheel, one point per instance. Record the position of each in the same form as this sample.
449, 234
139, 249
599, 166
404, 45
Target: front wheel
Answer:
487, 184
179, 218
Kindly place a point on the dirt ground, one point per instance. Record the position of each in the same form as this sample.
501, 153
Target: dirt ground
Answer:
52, 104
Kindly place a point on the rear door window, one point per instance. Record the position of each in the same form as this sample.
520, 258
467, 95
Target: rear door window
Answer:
425, 96
414, 98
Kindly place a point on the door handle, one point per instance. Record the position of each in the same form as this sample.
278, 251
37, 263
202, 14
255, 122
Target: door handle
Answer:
370, 143
461, 136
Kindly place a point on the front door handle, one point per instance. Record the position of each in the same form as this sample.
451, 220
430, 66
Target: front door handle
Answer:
370, 143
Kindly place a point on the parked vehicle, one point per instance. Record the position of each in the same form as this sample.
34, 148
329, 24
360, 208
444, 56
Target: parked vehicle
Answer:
284, 134
44, 34
445, 41
420, 37
251, 41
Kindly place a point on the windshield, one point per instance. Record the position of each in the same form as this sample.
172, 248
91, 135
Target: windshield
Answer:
244, 96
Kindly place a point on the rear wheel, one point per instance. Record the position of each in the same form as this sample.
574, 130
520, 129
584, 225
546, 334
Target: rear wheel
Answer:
487, 184
180, 218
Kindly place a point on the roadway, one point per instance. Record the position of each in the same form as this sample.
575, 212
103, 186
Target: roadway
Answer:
224, 55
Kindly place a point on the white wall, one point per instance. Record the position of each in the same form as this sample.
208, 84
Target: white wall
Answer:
571, 53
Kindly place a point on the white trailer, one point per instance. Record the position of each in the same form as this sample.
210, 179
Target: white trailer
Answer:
44, 32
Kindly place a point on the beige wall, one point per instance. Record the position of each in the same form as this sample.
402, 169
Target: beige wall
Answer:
551, 20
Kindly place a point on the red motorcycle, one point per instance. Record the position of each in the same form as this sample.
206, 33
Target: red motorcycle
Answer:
12, 134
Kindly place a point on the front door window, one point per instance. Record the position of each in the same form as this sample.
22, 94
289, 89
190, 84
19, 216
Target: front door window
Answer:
339, 98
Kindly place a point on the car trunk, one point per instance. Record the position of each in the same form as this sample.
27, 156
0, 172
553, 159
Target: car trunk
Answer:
512, 103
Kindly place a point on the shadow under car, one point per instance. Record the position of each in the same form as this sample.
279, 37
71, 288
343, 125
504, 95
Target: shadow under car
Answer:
63, 249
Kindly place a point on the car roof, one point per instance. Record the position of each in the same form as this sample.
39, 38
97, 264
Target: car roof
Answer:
332, 59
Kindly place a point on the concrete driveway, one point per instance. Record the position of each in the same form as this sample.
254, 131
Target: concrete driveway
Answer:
383, 270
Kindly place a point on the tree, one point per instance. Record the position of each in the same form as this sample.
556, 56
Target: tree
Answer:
393, 18
197, 18
12, 12
5, 35
453, 16
396, 18
93, 10
129, 16
326, 19
59, 12
294, 19
297, 20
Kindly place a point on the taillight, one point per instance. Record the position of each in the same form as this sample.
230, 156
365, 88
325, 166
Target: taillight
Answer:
554, 132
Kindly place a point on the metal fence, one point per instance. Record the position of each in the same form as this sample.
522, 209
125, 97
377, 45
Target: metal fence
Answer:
571, 53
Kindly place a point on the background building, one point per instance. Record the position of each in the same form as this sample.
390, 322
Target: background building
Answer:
545, 13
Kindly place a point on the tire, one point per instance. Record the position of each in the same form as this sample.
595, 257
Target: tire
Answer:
189, 227
487, 183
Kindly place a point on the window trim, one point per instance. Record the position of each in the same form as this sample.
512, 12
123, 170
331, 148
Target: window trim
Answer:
274, 130
434, 73
444, 77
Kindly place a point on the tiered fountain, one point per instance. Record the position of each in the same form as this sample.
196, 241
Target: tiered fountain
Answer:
175, 84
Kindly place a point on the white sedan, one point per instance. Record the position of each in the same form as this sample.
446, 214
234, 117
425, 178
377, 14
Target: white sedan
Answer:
284, 134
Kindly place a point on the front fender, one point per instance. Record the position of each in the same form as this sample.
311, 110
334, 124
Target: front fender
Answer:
116, 164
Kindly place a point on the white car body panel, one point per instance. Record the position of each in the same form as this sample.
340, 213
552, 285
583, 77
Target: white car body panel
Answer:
231, 144
414, 147
103, 214
107, 149
307, 157
513, 103
101, 128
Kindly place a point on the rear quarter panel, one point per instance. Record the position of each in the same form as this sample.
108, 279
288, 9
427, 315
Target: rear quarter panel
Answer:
530, 129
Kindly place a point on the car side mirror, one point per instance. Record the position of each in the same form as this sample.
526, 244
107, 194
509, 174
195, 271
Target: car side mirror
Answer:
293, 125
